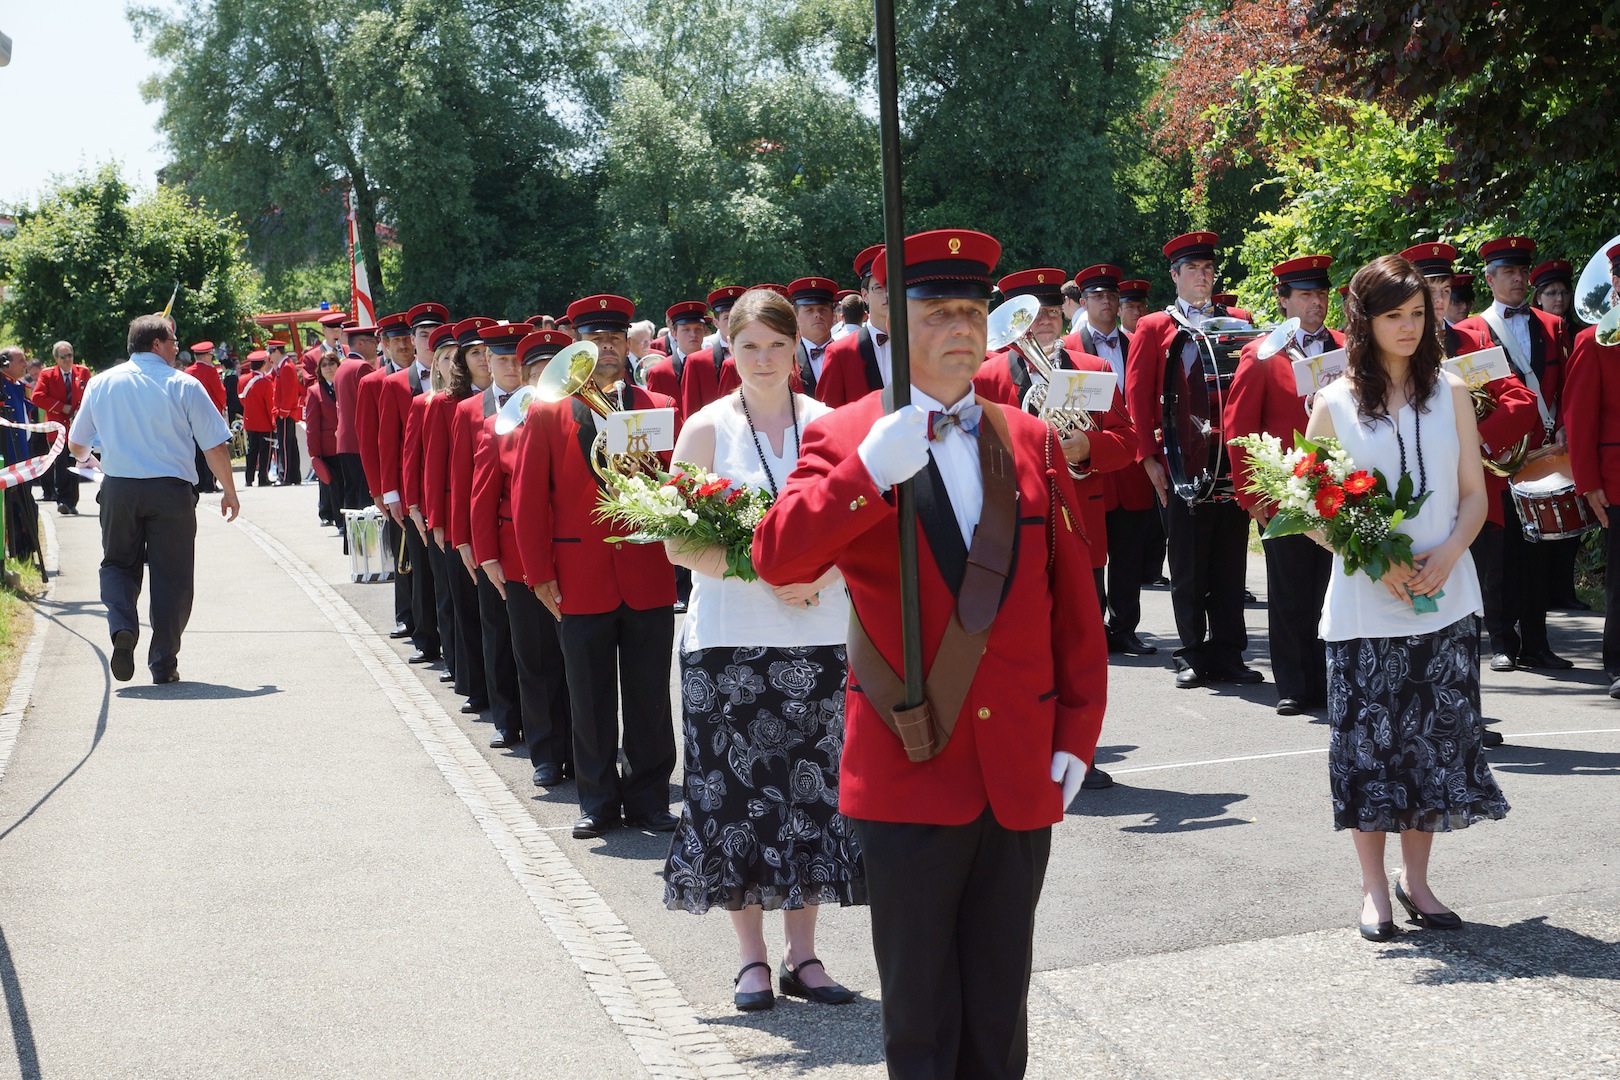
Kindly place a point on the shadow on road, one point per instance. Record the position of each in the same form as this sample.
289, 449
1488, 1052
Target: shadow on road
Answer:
818, 1036
1530, 948
1544, 761
22, 1032
1165, 810
196, 691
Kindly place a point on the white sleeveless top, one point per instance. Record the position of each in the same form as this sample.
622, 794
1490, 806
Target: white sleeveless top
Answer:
1357, 606
728, 612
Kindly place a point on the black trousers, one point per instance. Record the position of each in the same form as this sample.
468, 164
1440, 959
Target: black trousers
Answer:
1209, 552
288, 460
1129, 533
330, 506
22, 524
500, 670
424, 600
205, 476
444, 605
624, 651
64, 482
1561, 556
37, 445
394, 536
258, 459
548, 724
356, 494
1611, 603
1517, 619
1153, 548
469, 633
149, 523
953, 928
1297, 575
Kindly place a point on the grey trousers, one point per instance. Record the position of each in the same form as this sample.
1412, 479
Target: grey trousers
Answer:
149, 523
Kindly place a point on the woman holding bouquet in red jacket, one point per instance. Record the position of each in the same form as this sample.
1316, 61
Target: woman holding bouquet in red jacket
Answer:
1403, 678
762, 689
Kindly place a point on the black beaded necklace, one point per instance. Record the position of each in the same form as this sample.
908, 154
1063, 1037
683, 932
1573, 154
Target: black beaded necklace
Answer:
793, 410
1417, 437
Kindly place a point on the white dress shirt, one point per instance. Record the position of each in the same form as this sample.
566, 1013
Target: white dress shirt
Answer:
1518, 329
885, 365
1308, 348
1191, 355
818, 356
957, 455
1115, 355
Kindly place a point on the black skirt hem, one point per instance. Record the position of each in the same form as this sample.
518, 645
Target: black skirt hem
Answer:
769, 897
1430, 821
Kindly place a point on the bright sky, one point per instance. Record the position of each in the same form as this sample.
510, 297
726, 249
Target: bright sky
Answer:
70, 98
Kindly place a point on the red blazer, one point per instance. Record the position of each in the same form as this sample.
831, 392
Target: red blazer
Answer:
465, 423
1592, 414
258, 397
366, 410
1129, 487
50, 392
393, 408
494, 532
559, 538
1004, 380
347, 382
1263, 399
847, 373
208, 375
658, 375
701, 383
1042, 684
1546, 347
289, 389
436, 461
411, 465
320, 423
1514, 418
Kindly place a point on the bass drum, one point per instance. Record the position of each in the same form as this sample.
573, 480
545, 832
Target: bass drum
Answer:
1194, 399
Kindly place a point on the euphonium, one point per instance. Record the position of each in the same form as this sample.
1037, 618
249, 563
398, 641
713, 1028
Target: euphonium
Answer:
569, 375
1009, 325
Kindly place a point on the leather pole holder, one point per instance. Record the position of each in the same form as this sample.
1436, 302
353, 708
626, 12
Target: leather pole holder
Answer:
925, 729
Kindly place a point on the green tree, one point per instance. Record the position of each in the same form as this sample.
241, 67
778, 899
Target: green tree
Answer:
92, 256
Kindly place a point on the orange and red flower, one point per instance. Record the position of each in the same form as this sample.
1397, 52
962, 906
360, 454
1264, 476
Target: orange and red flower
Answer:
713, 487
1329, 498
1306, 464
1359, 482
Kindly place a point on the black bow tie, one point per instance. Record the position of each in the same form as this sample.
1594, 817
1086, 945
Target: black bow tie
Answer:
1522, 311
1324, 335
881, 338
500, 399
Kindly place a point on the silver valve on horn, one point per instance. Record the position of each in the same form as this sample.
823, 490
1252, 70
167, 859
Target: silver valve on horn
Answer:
1008, 326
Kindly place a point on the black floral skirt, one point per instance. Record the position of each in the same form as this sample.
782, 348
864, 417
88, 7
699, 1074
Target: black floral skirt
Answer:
1405, 749
764, 733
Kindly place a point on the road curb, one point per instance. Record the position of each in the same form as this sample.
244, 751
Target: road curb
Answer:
22, 687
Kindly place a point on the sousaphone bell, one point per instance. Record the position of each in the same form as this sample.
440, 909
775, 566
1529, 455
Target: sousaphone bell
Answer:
569, 375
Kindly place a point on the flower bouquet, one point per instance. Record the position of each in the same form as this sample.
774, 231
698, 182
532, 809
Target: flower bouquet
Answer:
1315, 486
691, 506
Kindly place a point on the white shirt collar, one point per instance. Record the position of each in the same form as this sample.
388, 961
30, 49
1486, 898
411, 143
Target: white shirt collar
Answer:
924, 401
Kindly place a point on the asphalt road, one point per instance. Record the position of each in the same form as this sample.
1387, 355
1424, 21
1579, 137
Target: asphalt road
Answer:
293, 864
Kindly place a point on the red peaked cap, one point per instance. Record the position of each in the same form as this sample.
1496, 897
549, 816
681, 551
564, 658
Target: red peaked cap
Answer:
359, 331
779, 290
276, 343
1305, 272
865, 261
1432, 260
1044, 283
1551, 271
442, 335
1102, 276
1507, 251
203, 346
1614, 259
336, 318
470, 332
687, 311
1134, 289
812, 290
541, 345
395, 325
945, 263
725, 298
503, 338
1462, 287
602, 313
1193, 245
427, 315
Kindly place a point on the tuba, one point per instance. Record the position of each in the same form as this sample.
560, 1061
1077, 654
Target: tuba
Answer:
569, 375
1009, 325
1595, 300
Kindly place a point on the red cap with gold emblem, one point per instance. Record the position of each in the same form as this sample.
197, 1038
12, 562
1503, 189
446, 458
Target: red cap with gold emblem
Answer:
257, 356
1551, 271
443, 334
812, 290
541, 345
1305, 272
687, 311
427, 315
503, 337
1101, 278
1134, 289
1432, 260
202, 347
946, 263
275, 345
1193, 245
864, 261
779, 290
395, 325
603, 313
1462, 287
1044, 283
725, 298
845, 294
470, 332
1507, 251
355, 330
336, 318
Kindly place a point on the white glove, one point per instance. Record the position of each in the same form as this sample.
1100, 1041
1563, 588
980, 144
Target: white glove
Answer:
896, 448
1069, 771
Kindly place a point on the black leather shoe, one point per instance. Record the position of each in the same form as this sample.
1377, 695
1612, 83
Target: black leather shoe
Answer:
590, 826
753, 1000
474, 706
1188, 678
1614, 689
1130, 645
1249, 597
1241, 674
499, 741
123, 656
447, 676
793, 986
166, 677
653, 821
680, 607
422, 656
1503, 662
1445, 920
1378, 931
400, 630
1489, 738
1289, 707
1096, 780
547, 775
1548, 661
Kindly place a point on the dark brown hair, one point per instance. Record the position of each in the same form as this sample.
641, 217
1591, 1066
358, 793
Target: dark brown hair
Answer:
1379, 287
461, 384
146, 331
766, 306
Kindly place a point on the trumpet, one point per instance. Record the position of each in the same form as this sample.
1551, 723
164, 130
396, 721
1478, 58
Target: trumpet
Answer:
569, 375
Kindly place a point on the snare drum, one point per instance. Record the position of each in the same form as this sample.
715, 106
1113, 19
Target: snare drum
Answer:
1544, 495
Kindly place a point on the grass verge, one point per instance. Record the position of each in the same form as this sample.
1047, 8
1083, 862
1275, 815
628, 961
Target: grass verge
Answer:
21, 587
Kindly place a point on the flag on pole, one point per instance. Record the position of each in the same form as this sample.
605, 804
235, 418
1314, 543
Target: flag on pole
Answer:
364, 311
168, 309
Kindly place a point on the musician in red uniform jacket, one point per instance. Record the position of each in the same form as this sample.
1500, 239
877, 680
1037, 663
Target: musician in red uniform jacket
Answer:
320, 426
812, 299
662, 373
1592, 417
615, 601
258, 394
955, 846
1265, 399
203, 370
433, 505
704, 376
58, 391
362, 360
1534, 342
858, 363
1208, 544
542, 682
398, 351
289, 395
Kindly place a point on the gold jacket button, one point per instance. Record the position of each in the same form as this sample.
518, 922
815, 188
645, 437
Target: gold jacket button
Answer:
858, 502
984, 714
616, 547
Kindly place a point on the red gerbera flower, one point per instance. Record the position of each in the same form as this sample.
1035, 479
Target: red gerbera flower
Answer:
1360, 482
713, 487
733, 497
1306, 464
1329, 498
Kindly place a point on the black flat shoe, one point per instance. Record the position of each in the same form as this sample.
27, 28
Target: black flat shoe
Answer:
1188, 679
1241, 674
1096, 780
474, 706
400, 630
793, 986
123, 656
1378, 931
547, 775
1614, 689
653, 821
499, 741
590, 826
421, 656
1445, 920
1547, 661
1503, 662
1289, 707
754, 1000
166, 677
447, 676
1130, 645
1489, 738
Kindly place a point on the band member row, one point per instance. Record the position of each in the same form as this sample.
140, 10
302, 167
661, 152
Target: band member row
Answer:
704, 377
441, 347
395, 331
858, 363
1208, 543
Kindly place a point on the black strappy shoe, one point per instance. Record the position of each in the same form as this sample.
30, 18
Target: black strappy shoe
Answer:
754, 1000
1444, 920
793, 986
